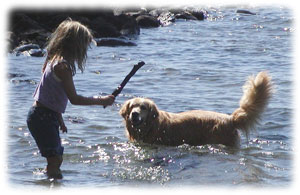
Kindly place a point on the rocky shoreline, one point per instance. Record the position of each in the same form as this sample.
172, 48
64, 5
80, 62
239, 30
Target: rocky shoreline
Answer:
29, 29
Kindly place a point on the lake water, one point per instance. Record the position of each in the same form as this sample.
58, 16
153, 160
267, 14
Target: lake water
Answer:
189, 65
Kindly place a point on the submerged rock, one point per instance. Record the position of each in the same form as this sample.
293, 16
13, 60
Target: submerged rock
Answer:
241, 11
114, 42
76, 119
13, 75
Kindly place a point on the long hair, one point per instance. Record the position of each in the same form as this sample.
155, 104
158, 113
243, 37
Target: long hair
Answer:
70, 42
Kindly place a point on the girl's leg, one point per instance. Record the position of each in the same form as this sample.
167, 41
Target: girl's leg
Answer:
53, 167
44, 127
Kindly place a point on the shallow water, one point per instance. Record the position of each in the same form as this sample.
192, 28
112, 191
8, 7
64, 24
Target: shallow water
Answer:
189, 65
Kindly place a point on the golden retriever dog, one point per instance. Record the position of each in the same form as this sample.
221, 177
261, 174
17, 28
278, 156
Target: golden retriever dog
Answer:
146, 123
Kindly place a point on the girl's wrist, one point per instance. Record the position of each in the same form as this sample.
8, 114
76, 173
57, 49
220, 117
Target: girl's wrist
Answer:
99, 100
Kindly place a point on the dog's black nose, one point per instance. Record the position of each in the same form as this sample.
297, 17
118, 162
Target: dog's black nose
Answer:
135, 115
135, 118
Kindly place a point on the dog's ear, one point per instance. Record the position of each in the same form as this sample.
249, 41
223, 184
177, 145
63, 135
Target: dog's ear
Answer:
124, 111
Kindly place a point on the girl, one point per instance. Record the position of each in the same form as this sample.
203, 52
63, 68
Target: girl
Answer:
67, 46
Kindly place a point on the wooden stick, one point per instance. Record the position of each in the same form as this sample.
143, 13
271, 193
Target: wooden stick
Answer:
135, 68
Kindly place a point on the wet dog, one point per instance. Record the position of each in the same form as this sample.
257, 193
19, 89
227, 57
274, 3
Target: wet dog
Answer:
146, 123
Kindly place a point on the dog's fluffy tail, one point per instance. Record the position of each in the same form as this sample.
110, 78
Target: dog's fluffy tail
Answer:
257, 92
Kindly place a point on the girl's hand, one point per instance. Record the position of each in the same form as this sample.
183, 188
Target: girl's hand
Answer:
63, 128
107, 100
62, 125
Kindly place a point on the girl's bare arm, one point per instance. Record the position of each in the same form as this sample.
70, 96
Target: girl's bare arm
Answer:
65, 75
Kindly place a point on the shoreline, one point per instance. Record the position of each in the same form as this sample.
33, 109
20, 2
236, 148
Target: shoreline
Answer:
29, 30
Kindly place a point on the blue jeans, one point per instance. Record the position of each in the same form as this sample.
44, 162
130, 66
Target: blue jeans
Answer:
44, 127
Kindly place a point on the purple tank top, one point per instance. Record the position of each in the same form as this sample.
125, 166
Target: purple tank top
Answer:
50, 91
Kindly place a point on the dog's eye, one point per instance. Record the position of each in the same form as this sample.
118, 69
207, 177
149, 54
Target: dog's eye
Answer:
143, 107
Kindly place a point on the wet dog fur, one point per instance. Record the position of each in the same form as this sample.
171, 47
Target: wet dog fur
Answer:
146, 123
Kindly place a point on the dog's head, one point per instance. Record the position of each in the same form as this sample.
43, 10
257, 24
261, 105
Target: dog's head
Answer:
139, 112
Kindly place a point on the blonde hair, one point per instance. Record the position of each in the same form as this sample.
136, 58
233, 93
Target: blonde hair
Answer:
70, 42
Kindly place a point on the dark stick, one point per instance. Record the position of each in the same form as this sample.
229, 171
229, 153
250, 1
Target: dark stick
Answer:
135, 68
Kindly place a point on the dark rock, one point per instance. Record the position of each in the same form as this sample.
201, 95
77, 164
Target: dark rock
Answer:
37, 52
166, 18
26, 47
157, 12
21, 23
28, 30
102, 28
136, 14
146, 21
35, 26
36, 37
29, 50
200, 15
240, 11
76, 119
185, 15
96, 71
49, 19
13, 75
127, 25
114, 42
109, 25
30, 81
130, 29
12, 40
133, 12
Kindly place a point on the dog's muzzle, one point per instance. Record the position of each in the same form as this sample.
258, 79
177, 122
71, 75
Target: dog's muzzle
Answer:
136, 119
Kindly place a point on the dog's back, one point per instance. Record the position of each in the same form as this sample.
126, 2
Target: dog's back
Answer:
198, 127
